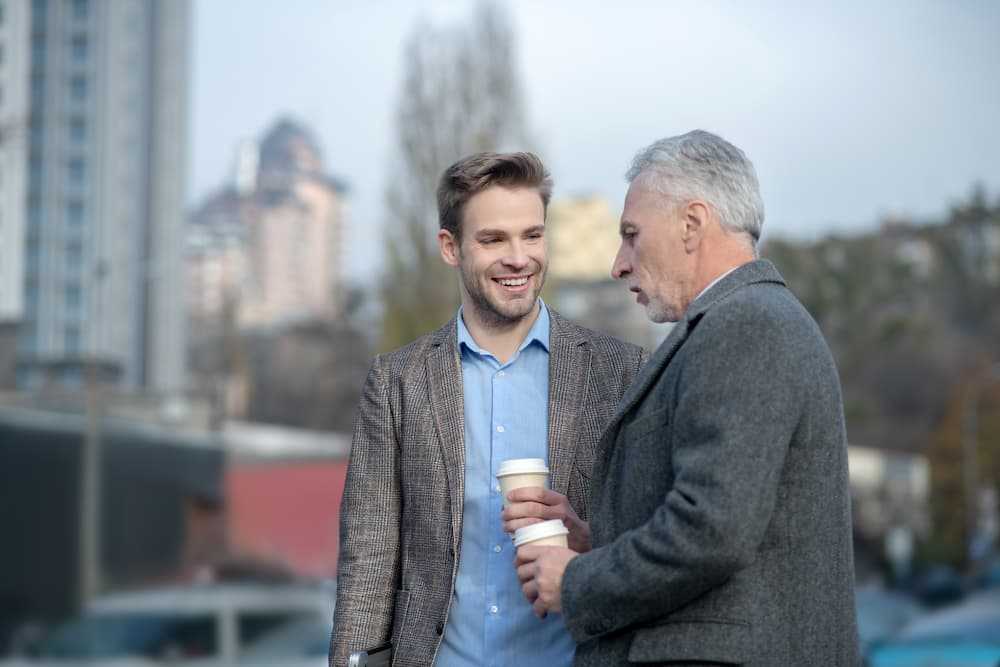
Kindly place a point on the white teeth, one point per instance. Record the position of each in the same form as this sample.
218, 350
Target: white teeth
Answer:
513, 282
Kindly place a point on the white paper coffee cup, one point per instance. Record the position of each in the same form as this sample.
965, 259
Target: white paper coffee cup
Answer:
551, 533
519, 473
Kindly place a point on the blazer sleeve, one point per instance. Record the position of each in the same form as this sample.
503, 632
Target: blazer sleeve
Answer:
368, 569
737, 408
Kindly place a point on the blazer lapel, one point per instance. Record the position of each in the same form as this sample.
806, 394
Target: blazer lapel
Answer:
569, 374
444, 384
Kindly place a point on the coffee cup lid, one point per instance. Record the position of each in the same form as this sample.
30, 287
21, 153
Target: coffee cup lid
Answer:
522, 466
537, 531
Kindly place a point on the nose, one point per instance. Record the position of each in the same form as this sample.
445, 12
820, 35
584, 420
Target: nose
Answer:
516, 257
620, 268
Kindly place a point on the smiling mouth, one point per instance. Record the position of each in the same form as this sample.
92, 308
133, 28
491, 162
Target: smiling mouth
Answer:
513, 283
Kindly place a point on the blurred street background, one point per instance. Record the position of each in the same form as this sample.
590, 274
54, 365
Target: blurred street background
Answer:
214, 213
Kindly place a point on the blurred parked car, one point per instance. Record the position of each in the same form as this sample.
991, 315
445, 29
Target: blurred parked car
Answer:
301, 643
882, 613
964, 635
195, 626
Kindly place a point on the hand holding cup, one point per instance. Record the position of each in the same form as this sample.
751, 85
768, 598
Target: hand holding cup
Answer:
532, 505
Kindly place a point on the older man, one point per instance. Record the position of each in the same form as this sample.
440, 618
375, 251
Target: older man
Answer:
721, 524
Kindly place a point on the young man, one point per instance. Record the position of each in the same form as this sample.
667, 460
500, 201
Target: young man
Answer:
721, 522
424, 560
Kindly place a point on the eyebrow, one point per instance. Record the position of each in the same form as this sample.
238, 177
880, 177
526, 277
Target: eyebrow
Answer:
503, 233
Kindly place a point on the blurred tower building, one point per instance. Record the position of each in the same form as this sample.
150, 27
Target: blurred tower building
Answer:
92, 171
14, 53
267, 246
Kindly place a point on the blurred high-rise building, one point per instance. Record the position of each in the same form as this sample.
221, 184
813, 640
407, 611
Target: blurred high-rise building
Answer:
267, 245
92, 168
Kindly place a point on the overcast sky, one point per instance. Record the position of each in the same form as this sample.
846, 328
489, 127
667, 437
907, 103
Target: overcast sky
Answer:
850, 110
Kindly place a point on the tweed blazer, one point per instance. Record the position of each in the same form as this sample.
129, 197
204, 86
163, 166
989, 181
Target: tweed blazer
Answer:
720, 511
401, 516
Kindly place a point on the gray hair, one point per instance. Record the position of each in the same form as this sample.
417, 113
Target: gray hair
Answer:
701, 165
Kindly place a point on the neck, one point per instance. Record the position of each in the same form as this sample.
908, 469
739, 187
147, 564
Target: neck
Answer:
499, 338
723, 259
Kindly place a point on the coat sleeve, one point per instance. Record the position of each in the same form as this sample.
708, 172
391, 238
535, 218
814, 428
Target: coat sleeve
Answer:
736, 411
368, 570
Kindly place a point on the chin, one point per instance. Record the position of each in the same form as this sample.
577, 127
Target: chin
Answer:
659, 314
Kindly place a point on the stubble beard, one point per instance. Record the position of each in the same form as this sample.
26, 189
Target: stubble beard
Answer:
500, 315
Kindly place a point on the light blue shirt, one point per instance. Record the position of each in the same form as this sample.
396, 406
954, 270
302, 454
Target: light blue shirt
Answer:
506, 417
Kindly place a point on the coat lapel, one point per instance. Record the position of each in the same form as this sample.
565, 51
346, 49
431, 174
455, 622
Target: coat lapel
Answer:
757, 271
444, 384
569, 375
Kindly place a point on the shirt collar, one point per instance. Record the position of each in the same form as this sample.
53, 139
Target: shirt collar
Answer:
712, 284
539, 332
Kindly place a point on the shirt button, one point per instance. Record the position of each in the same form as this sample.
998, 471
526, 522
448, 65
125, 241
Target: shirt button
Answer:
499, 429
494, 609
498, 548
500, 374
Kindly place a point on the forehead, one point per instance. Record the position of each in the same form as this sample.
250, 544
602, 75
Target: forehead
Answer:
502, 207
642, 202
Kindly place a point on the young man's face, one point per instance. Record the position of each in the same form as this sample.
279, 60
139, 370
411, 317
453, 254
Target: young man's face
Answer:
501, 257
652, 258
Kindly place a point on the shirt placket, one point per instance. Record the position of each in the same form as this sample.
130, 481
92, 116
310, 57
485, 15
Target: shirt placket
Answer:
499, 554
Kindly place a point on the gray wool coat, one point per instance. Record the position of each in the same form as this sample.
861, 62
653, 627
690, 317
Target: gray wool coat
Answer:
401, 516
720, 510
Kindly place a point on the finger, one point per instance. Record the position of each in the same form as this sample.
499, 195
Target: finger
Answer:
530, 590
511, 526
527, 554
524, 509
539, 608
526, 572
528, 494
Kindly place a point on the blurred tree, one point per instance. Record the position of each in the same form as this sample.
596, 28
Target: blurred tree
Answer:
308, 375
460, 95
949, 493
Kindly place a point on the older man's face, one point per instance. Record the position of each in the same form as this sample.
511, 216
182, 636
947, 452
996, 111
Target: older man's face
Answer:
652, 259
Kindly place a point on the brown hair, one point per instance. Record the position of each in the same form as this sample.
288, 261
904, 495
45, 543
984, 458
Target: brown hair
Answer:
475, 173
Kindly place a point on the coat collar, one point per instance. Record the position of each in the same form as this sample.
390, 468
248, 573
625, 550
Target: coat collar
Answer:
757, 271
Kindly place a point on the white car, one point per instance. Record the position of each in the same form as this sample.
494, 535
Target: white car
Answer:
194, 626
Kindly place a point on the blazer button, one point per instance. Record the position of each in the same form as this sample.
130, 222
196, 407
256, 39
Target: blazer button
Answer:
439, 628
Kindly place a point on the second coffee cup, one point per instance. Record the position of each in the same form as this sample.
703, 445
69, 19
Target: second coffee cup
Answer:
551, 533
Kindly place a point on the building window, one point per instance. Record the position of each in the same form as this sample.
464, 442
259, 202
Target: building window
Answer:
74, 213
77, 129
76, 171
37, 52
78, 47
35, 170
37, 90
73, 297
74, 255
31, 295
78, 88
35, 132
80, 8
34, 256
